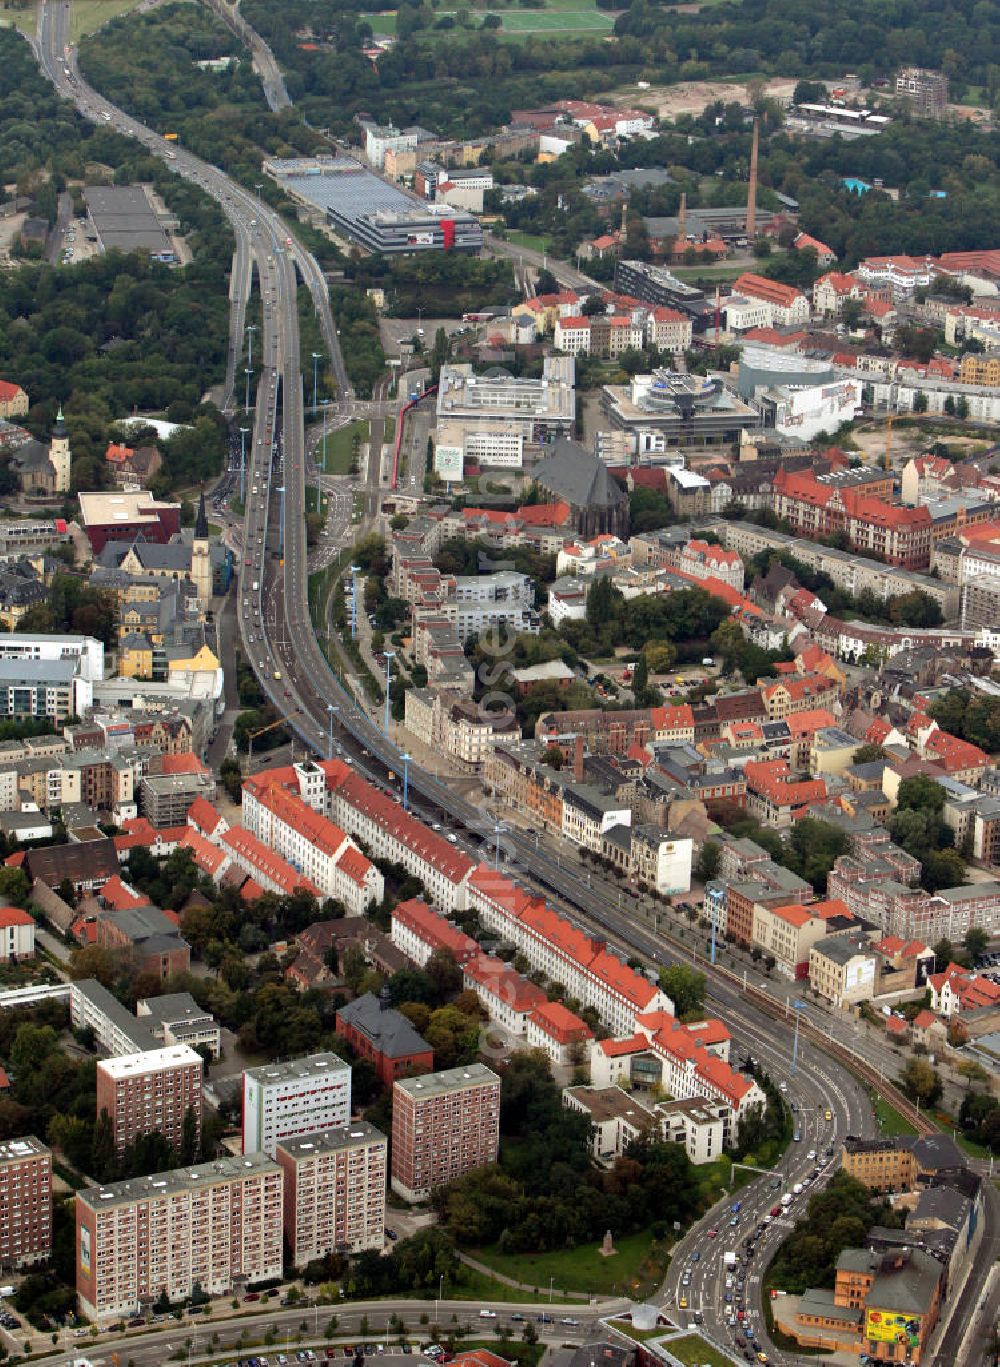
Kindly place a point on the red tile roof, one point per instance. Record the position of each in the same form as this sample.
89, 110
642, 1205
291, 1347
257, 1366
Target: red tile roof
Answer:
14, 916
183, 764
435, 930
495, 978
122, 896
203, 815
425, 843
760, 287
560, 1024
259, 861
8, 391
207, 857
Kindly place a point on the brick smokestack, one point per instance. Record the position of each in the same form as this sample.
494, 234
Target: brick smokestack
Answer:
578, 759
752, 188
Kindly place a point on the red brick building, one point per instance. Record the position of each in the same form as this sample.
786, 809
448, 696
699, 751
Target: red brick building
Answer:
376, 1032
151, 1091
443, 1125
25, 1202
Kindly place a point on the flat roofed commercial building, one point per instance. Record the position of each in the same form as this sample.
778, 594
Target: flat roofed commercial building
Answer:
123, 219
443, 1125
334, 1191
211, 1225
151, 1091
25, 1202
372, 213
503, 407
286, 1100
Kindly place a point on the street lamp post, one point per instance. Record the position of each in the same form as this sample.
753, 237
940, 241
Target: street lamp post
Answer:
437, 1303
333, 710
798, 1007
258, 188
281, 517
406, 782
243, 463
321, 465
390, 655
246, 401
251, 329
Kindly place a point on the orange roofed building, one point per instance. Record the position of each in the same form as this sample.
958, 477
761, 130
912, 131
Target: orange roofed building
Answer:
310, 842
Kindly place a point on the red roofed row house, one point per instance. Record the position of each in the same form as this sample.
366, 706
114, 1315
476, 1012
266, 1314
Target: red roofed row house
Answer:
684, 1060
757, 301
704, 560
508, 998
275, 812
390, 833
584, 966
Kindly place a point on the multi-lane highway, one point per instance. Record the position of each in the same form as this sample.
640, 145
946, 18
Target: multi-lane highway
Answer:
281, 644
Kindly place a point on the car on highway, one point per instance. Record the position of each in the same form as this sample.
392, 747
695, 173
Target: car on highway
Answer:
713, 1233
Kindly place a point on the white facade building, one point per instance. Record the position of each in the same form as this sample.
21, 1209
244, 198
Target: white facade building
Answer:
286, 1100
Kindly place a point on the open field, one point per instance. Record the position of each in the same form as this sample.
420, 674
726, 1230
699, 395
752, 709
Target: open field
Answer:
558, 17
532, 241
691, 97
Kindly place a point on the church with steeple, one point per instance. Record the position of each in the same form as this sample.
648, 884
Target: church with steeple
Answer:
201, 557
43, 471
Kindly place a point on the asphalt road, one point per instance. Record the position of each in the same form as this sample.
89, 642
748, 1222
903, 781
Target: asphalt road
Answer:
356, 1320
274, 621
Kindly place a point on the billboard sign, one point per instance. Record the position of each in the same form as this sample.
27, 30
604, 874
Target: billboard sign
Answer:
860, 977
885, 1326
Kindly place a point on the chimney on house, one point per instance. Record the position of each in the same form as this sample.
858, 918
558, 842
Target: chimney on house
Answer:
682, 221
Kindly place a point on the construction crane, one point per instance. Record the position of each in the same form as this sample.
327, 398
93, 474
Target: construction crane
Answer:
261, 731
888, 441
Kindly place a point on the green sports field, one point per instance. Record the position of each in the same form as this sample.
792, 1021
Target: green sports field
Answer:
558, 16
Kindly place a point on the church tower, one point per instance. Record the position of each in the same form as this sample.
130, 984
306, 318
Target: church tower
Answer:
201, 560
59, 454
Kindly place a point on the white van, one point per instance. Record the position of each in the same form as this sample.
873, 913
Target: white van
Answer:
256, 586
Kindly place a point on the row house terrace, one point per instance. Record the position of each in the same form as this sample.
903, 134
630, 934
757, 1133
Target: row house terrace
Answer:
585, 967
277, 815
392, 834
418, 931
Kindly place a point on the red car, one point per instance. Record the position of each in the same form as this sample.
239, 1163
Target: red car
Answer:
248, 563
713, 1233
776, 1210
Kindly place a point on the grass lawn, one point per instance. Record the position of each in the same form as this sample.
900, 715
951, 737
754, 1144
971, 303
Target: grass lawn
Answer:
87, 15
23, 19
889, 1119
636, 1268
532, 241
720, 273
576, 18
698, 1352
383, 25
639, 1335
338, 449
389, 432
478, 1288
